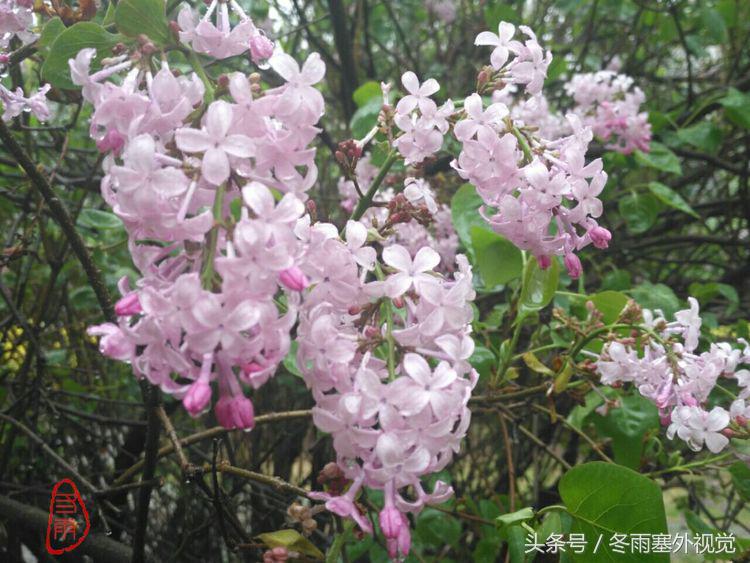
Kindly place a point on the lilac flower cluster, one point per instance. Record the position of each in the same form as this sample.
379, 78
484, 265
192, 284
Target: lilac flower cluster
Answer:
678, 379
610, 104
219, 291
540, 193
386, 361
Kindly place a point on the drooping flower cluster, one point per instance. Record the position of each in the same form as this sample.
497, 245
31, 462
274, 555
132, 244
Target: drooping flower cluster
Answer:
610, 104
15, 103
667, 369
540, 193
16, 20
220, 288
221, 40
386, 361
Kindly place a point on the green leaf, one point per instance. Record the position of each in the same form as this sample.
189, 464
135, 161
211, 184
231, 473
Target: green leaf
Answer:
482, 360
698, 526
365, 118
292, 540
51, 30
498, 260
506, 520
538, 288
366, 93
516, 538
536, 365
671, 198
465, 205
109, 15
557, 67
495, 12
714, 25
606, 499
737, 107
610, 303
661, 158
741, 479
656, 296
639, 211
82, 35
98, 219
143, 17
437, 528
705, 292
627, 424
704, 135
290, 360
616, 280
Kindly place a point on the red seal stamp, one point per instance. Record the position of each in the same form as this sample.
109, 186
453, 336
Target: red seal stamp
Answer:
68, 523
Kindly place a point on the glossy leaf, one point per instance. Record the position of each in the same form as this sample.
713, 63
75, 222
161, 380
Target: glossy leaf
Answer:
660, 158
606, 499
293, 541
499, 261
667, 195
639, 211
465, 205
538, 288
143, 17
55, 69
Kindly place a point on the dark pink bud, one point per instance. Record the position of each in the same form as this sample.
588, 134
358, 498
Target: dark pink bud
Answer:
544, 262
112, 141
573, 264
128, 305
235, 412
4, 58
197, 398
600, 237
741, 420
728, 432
294, 279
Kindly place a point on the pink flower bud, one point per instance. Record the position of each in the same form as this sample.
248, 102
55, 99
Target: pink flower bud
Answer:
261, 47
235, 412
573, 264
197, 398
294, 279
128, 305
4, 58
600, 237
112, 141
390, 522
544, 262
728, 432
741, 420
251, 368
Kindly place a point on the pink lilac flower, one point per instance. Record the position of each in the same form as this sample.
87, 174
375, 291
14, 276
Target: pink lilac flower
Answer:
679, 380
215, 142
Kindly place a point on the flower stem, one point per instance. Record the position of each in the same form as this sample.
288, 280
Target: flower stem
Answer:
192, 58
366, 201
207, 272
